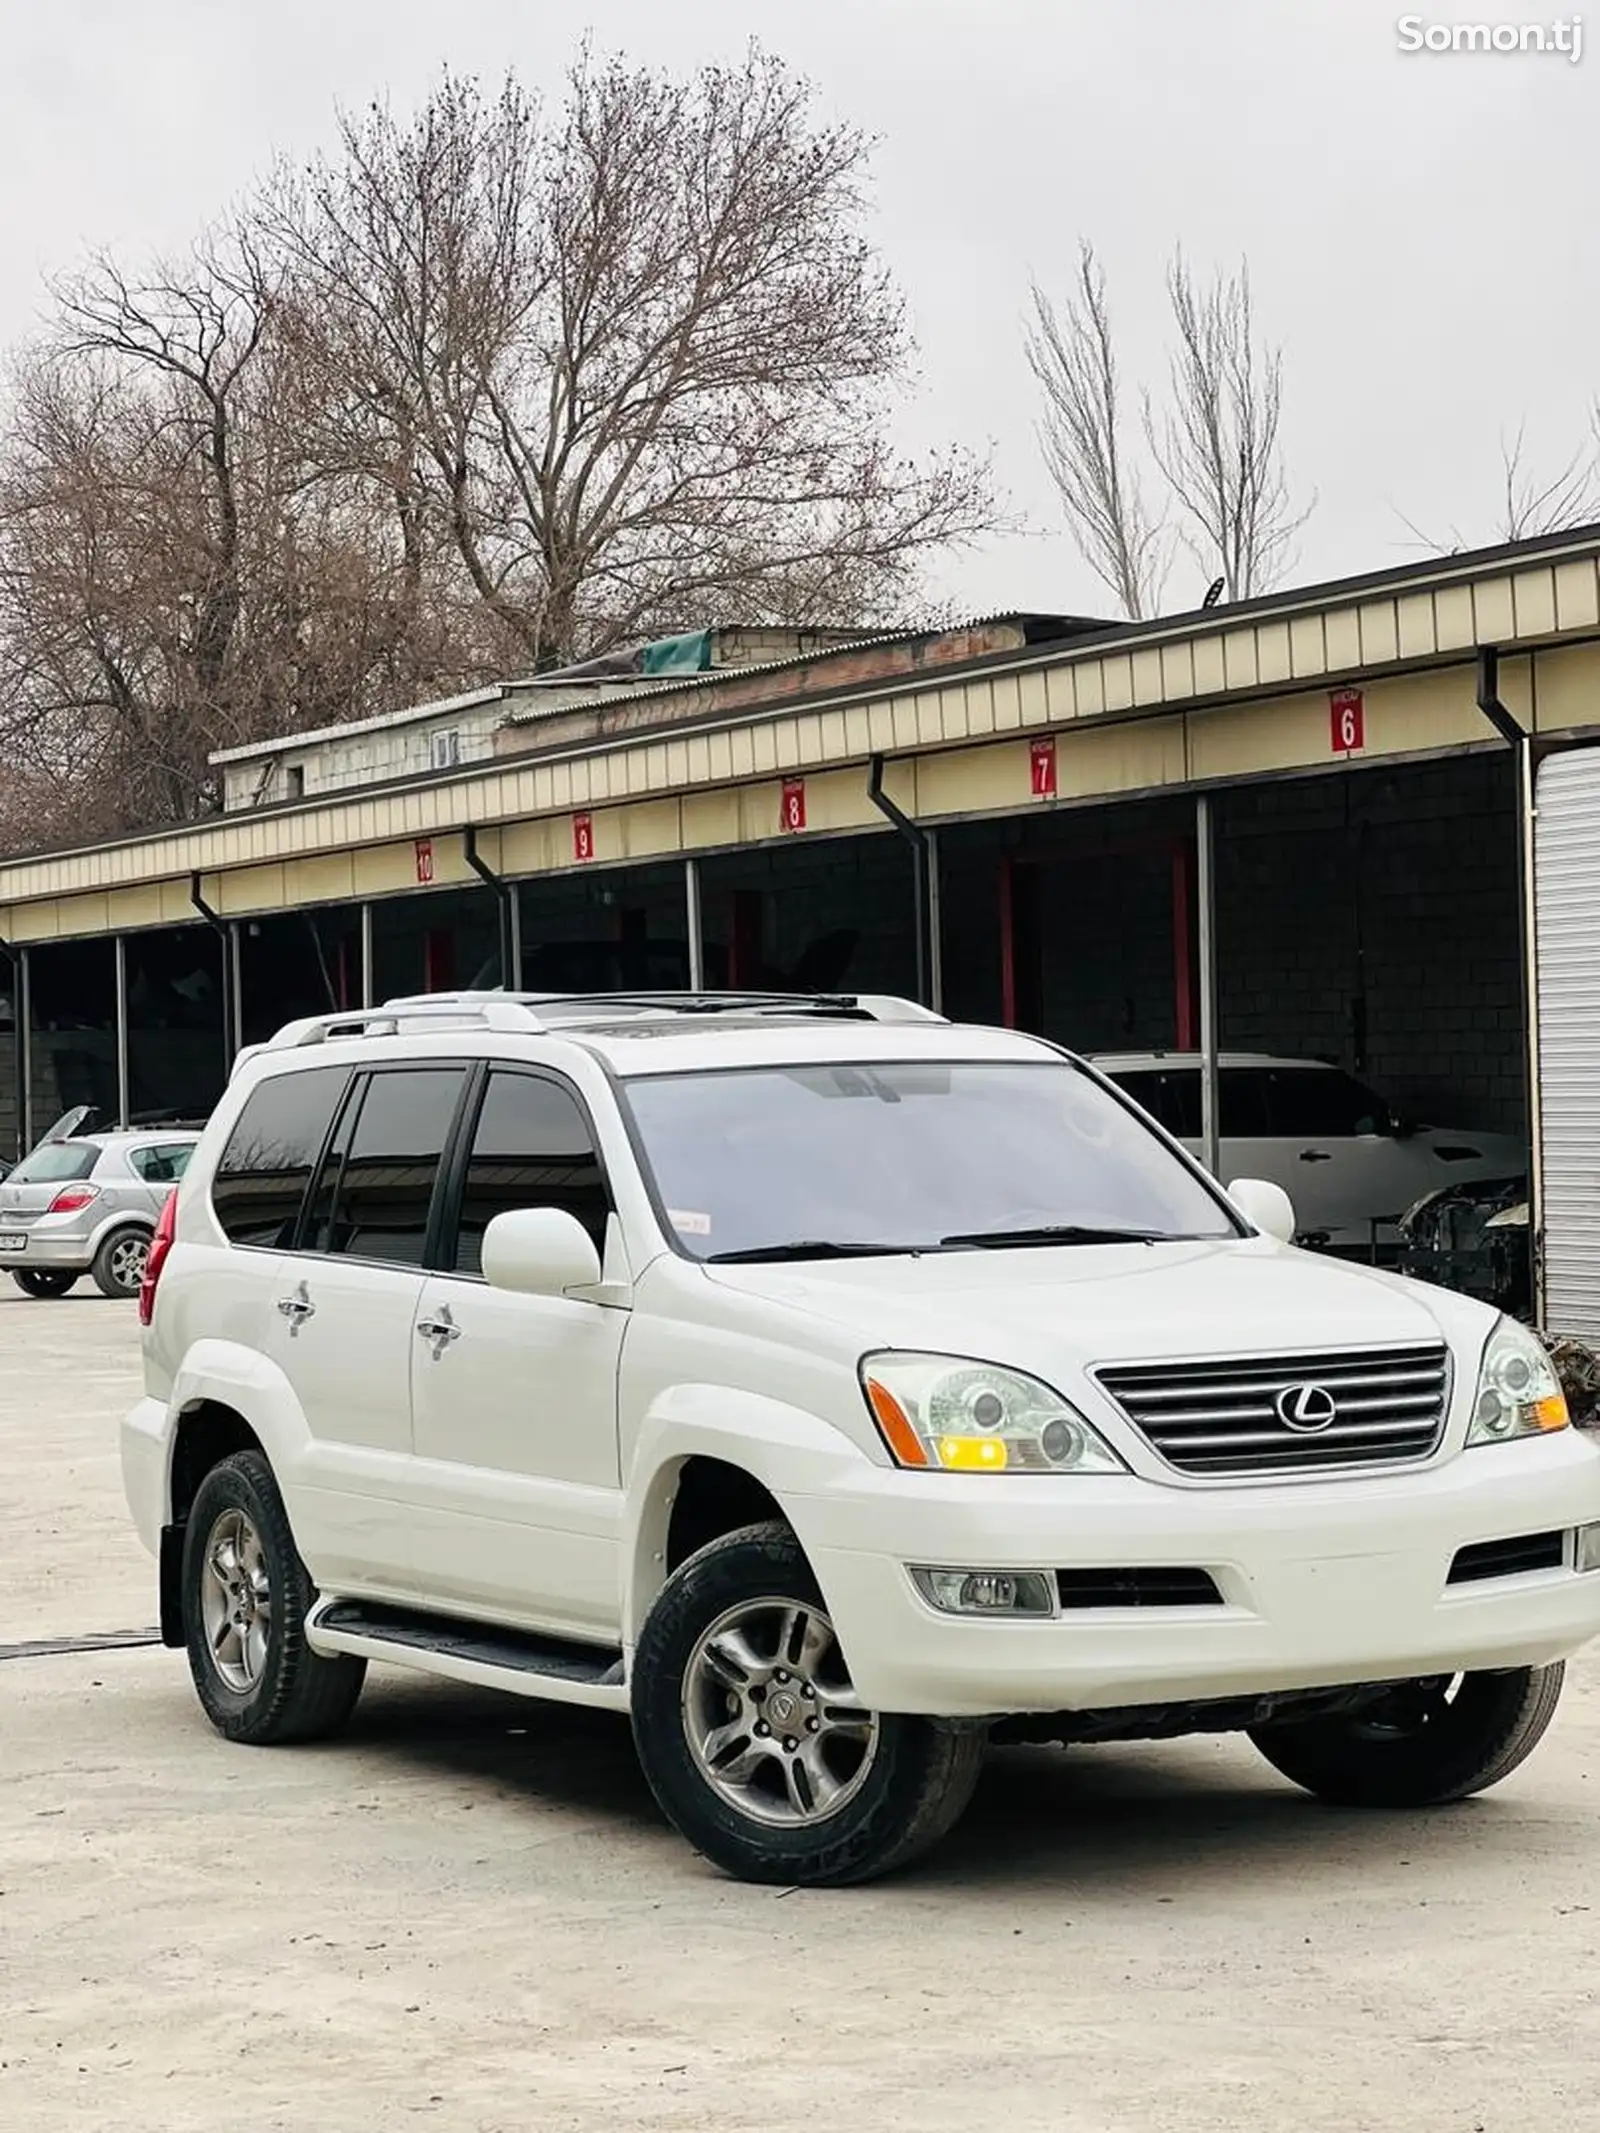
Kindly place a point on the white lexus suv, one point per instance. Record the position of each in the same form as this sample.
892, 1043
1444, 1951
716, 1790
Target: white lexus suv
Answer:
833, 1389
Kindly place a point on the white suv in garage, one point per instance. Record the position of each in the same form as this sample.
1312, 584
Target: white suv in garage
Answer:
831, 1389
1351, 1166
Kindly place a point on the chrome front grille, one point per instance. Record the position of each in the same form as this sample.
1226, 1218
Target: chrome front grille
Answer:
1287, 1413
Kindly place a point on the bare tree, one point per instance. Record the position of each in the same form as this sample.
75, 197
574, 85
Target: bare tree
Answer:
176, 573
1531, 505
1072, 354
637, 350
1217, 439
490, 388
1213, 438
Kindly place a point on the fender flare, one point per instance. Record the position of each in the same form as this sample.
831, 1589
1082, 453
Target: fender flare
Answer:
228, 1374
792, 1452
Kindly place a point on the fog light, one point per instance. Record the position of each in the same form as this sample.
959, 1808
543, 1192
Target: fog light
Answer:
1586, 1556
987, 1592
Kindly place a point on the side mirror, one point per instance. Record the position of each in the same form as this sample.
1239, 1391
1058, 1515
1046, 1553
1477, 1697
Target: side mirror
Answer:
539, 1251
1268, 1207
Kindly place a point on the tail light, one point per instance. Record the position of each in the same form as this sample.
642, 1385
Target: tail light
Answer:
156, 1258
71, 1197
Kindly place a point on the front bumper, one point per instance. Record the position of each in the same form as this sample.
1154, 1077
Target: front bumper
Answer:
1322, 1583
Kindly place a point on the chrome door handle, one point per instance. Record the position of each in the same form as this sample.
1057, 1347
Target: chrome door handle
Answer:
297, 1308
441, 1331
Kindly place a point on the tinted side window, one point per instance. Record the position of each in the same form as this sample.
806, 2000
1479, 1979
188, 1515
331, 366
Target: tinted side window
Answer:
1172, 1098
261, 1179
385, 1189
531, 1148
161, 1166
1322, 1103
1246, 1104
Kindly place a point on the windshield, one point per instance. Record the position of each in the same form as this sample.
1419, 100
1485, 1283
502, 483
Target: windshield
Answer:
917, 1157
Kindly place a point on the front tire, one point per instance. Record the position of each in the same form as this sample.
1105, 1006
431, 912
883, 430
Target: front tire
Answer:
246, 1595
1425, 1743
754, 1741
118, 1266
36, 1282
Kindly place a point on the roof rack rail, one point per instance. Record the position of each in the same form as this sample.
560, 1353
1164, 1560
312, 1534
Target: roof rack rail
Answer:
529, 1013
552, 1007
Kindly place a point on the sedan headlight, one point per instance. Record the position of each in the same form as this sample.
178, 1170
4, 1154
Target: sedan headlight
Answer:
1519, 1394
977, 1418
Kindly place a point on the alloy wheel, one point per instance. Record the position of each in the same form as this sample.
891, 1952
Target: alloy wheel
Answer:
772, 1719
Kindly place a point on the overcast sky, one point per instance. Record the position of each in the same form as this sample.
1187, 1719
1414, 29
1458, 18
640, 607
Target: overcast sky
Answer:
1420, 228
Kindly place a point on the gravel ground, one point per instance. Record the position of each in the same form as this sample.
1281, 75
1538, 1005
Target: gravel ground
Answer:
467, 1913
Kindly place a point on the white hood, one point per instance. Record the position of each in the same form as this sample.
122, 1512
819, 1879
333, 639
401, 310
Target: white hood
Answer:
1077, 1307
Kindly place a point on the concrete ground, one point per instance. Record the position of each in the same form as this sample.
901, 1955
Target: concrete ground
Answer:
467, 1914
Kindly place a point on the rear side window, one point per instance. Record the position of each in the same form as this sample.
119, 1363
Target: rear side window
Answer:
383, 1195
1171, 1096
1246, 1104
1325, 1104
56, 1163
1299, 1103
161, 1166
531, 1147
271, 1153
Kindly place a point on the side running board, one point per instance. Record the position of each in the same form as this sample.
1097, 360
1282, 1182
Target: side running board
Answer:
480, 1652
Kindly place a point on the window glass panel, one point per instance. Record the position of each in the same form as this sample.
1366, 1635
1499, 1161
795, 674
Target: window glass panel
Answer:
261, 1179
1246, 1104
386, 1188
531, 1148
906, 1157
1322, 1103
161, 1166
56, 1163
1171, 1096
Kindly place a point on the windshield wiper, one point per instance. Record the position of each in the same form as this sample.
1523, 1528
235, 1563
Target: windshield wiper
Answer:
1055, 1233
812, 1248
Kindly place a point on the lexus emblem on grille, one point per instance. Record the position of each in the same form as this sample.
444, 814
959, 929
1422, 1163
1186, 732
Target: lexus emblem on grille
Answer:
1306, 1408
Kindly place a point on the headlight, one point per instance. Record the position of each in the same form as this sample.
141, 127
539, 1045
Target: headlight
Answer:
1519, 1394
976, 1418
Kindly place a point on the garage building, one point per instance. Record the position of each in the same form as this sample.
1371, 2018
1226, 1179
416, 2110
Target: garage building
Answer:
1292, 826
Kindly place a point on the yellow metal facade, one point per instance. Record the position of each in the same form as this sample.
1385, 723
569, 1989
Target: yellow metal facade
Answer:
1197, 703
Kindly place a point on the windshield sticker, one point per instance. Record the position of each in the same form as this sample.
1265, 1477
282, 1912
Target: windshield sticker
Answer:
688, 1223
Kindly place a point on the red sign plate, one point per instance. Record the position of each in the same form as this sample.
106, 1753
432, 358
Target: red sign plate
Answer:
424, 860
1347, 721
792, 807
1042, 768
583, 837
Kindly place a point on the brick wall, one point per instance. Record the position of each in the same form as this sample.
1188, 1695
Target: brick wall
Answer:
1396, 890
1369, 917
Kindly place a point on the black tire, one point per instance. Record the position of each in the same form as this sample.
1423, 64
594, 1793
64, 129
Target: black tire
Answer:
917, 1780
296, 1695
35, 1281
118, 1267
1427, 1743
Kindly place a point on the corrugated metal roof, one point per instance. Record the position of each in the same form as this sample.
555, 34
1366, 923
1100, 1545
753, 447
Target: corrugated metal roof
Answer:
866, 641
414, 714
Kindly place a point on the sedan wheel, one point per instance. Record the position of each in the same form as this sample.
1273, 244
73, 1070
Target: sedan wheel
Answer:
35, 1281
120, 1262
